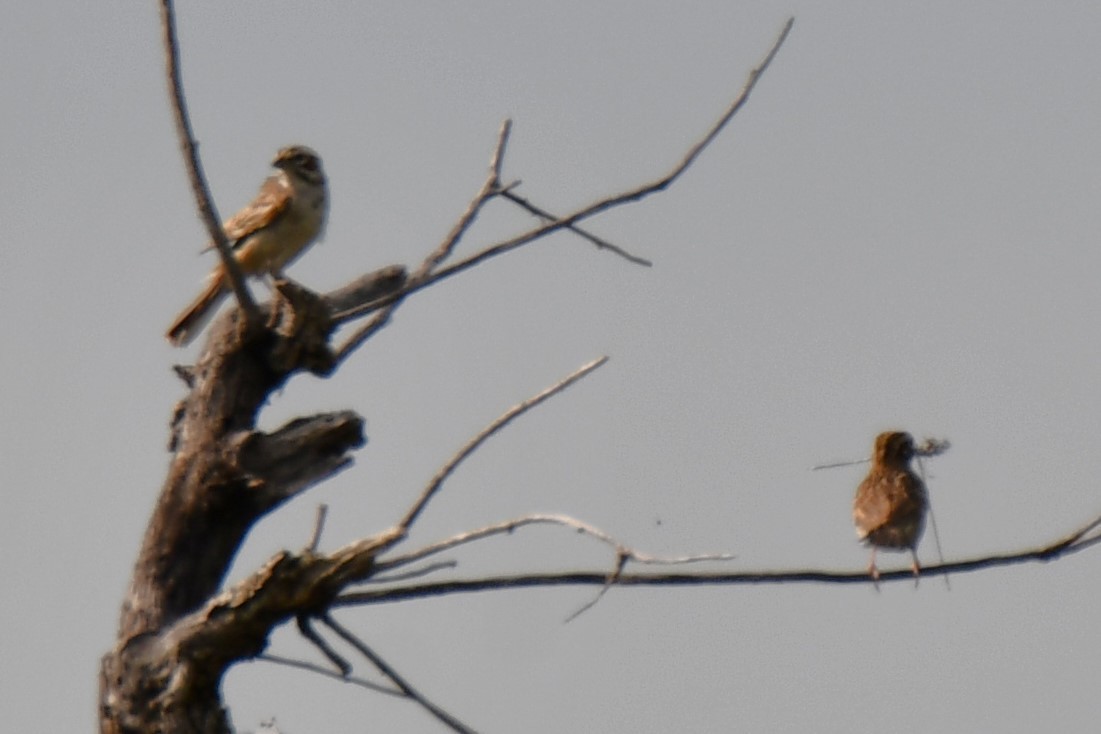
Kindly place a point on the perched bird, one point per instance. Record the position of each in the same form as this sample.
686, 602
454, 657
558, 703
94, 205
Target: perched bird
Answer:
286, 216
889, 509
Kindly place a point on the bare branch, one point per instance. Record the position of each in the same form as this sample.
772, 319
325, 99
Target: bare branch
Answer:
298, 455
415, 573
371, 289
732, 110
1074, 542
1080, 540
632, 195
313, 668
318, 527
506, 418
307, 631
189, 149
598, 241
510, 526
621, 563
446, 718
490, 188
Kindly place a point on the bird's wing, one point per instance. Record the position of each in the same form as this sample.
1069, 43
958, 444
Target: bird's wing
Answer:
270, 204
880, 502
872, 506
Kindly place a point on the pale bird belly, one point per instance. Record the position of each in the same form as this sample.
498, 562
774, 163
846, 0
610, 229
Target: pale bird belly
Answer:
271, 249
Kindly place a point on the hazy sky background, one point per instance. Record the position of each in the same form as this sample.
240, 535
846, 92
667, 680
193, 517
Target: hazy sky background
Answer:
898, 231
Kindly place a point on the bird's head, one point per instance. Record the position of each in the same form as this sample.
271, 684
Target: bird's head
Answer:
300, 161
894, 447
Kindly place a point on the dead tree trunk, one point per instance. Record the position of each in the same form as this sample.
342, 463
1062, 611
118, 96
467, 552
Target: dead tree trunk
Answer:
176, 638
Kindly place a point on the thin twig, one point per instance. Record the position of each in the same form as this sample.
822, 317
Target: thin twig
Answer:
490, 188
838, 464
415, 573
510, 526
1074, 542
189, 149
318, 527
621, 563
306, 629
506, 418
446, 718
314, 668
933, 520
600, 242
929, 447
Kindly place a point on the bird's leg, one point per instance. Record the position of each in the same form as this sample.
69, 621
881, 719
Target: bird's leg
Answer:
271, 279
873, 571
278, 276
916, 566
268, 278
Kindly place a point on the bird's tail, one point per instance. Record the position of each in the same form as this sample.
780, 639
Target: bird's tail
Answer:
193, 318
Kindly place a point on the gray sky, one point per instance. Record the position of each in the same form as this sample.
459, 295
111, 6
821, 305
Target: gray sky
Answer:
898, 231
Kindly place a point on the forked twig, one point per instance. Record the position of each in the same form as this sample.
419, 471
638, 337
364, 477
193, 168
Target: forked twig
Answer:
631, 195
600, 242
510, 526
621, 563
446, 718
493, 187
623, 553
306, 630
490, 188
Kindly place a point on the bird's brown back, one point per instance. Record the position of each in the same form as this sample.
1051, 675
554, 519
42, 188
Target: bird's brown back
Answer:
890, 504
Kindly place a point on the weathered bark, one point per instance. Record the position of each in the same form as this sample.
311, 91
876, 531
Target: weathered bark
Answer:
176, 638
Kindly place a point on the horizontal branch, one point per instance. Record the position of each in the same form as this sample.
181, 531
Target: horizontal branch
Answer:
1080, 540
